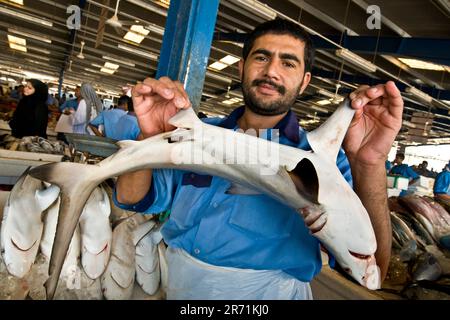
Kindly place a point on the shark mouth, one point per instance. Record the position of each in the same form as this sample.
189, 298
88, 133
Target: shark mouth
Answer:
360, 256
21, 249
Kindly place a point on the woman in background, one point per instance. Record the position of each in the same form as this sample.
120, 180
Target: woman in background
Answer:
88, 108
31, 115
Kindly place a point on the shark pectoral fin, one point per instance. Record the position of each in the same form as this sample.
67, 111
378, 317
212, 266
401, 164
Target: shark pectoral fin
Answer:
104, 204
46, 197
327, 139
305, 179
142, 230
185, 118
238, 189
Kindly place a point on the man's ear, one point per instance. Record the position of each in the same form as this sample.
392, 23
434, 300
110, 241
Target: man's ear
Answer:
241, 68
306, 80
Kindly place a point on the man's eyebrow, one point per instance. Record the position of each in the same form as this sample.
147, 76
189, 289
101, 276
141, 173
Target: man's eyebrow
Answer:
262, 51
289, 56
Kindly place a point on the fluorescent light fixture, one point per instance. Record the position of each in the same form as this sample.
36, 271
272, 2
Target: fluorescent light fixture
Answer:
260, 9
224, 62
325, 93
111, 66
38, 49
30, 35
136, 34
164, 3
39, 76
17, 40
229, 59
17, 47
106, 70
155, 29
17, 2
356, 60
419, 64
419, 94
218, 77
27, 17
130, 64
139, 52
323, 102
232, 101
96, 65
320, 109
91, 70
218, 65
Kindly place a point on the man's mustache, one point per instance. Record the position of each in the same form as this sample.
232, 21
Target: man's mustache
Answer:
281, 89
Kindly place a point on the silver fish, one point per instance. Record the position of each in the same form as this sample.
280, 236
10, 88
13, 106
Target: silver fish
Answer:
343, 225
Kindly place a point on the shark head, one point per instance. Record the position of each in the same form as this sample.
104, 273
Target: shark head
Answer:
338, 219
342, 223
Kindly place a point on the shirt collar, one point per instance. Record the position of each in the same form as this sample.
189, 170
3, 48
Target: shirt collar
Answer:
288, 126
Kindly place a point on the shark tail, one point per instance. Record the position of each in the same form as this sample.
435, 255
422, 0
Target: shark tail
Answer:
76, 181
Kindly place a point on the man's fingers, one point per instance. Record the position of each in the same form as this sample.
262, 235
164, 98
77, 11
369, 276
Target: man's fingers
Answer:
395, 99
180, 97
368, 95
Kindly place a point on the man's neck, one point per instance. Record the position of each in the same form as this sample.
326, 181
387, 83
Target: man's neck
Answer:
251, 120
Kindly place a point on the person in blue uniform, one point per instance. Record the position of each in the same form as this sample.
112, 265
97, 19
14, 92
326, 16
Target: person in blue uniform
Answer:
441, 186
127, 127
228, 246
403, 169
109, 118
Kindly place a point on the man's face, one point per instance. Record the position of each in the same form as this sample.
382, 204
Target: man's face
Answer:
77, 92
273, 75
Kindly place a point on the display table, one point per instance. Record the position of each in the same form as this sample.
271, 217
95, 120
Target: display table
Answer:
4, 128
14, 163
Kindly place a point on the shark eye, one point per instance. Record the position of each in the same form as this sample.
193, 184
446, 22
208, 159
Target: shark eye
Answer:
359, 256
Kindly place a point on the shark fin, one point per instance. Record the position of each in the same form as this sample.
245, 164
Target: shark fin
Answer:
327, 139
46, 197
185, 118
142, 230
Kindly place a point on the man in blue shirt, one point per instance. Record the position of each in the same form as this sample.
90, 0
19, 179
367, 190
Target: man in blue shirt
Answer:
109, 118
403, 169
127, 127
442, 184
223, 246
72, 103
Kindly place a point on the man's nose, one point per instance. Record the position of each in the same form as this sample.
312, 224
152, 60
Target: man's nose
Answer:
272, 69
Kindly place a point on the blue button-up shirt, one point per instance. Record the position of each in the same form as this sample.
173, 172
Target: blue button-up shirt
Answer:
405, 171
108, 119
69, 104
241, 231
126, 128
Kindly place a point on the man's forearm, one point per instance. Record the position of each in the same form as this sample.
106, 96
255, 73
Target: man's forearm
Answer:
370, 185
132, 187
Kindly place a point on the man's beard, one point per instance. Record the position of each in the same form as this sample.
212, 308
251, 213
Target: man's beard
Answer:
273, 108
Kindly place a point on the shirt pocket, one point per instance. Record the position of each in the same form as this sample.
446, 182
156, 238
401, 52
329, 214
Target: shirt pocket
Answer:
261, 217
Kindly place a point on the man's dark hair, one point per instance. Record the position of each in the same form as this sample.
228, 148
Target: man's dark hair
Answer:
281, 27
70, 95
123, 100
401, 156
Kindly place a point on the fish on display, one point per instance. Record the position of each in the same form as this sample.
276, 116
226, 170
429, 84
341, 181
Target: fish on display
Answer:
337, 216
418, 228
118, 279
426, 267
73, 254
401, 231
22, 225
436, 221
96, 233
148, 273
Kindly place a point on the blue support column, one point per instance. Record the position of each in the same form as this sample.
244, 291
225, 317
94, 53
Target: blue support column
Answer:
187, 43
61, 78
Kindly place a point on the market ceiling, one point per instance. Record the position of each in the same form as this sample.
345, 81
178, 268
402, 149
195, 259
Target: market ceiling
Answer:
409, 29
